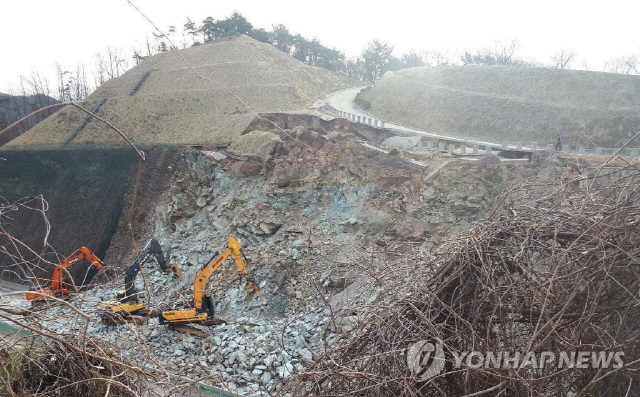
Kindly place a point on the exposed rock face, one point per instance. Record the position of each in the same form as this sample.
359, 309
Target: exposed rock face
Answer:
318, 246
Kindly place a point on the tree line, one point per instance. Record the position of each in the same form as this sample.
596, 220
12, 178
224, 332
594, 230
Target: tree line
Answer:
378, 57
75, 83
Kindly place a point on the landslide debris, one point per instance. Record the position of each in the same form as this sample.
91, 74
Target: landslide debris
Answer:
326, 230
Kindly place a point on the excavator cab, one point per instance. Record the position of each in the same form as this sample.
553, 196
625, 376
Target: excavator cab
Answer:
201, 308
208, 306
57, 287
126, 305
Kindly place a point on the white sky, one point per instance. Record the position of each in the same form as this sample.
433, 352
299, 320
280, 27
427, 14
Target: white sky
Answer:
35, 34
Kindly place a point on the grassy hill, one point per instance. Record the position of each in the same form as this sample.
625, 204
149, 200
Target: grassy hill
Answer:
510, 103
14, 107
173, 106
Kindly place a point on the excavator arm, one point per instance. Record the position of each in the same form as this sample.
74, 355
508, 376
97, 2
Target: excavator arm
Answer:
202, 304
57, 287
152, 248
127, 299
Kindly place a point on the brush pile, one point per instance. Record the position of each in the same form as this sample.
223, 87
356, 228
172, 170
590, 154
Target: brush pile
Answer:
526, 303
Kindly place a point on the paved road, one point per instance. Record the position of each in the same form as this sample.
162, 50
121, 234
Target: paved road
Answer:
343, 100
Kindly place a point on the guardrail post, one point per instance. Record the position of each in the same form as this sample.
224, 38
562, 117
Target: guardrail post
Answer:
519, 145
534, 146
452, 148
441, 146
487, 149
505, 145
475, 149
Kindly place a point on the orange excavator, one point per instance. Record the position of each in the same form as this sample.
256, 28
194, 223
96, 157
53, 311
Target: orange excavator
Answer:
56, 287
201, 308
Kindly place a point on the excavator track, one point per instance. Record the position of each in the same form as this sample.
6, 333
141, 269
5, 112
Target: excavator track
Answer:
138, 318
43, 304
199, 330
126, 307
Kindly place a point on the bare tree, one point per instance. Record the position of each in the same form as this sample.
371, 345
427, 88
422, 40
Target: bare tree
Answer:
504, 52
138, 58
61, 77
626, 64
563, 58
439, 57
116, 63
100, 73
72, 86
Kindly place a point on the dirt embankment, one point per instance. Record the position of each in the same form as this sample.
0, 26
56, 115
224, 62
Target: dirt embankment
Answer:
163, 102
85, 192
498, 103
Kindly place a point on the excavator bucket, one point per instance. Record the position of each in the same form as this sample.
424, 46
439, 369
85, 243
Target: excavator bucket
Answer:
175, 269
252, 290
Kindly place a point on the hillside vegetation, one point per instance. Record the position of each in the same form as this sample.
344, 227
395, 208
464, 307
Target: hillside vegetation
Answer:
14, 107
512, 103
173, 106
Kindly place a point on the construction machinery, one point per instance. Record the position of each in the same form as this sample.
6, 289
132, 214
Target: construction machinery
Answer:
127, 307
57, 287
201, 308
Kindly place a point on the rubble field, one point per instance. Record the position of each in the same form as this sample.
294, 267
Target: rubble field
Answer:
326, 224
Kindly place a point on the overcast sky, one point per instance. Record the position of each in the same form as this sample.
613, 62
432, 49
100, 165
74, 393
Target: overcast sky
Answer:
37, 33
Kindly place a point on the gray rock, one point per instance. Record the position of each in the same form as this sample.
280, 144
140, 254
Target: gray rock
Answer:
265, 378
285, 370
305, 354
254, 386
269, 227
242, 357
299, 243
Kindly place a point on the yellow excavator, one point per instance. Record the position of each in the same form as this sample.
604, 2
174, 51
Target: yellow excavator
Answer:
127, 307
201, 308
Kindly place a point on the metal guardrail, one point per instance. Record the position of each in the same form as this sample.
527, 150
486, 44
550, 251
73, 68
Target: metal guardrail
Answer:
375, 122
